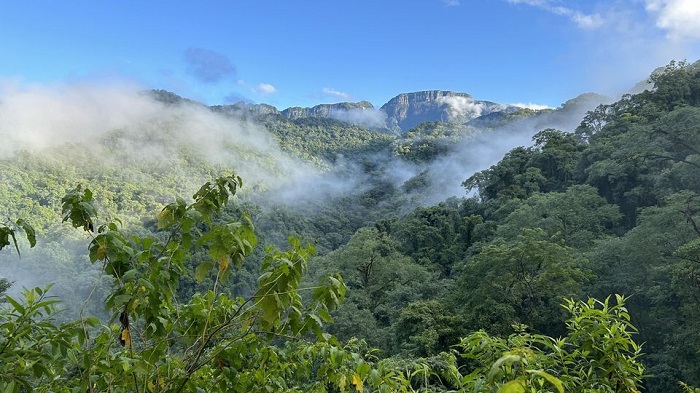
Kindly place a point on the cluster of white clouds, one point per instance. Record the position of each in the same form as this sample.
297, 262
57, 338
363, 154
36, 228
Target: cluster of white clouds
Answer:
666, 25
460, 107
365, 117
335, 93
531, 105
625, 40
264, 89
680, 18
581, 19
136, 128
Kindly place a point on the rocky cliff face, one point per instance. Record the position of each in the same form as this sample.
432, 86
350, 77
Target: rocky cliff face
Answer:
242, 109
408, 110
324, 110
405, 111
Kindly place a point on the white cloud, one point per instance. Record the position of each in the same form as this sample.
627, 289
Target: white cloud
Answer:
530, 105
365, 117
265, 88
451, 3
581, 19
586, 21
678, 17
534, 3
123, 126
335, 93
460, 107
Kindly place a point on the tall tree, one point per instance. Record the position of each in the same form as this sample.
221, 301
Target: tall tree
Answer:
519, 281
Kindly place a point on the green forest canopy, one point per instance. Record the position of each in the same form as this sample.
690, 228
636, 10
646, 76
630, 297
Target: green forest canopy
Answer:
465, 295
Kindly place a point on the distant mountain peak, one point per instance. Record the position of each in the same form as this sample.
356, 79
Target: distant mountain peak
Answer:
168, 97
324, 110
245, 109
408, 110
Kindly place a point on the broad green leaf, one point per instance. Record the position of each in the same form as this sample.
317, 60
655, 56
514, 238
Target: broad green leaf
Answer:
496, 368
202, 271
15, 304
549, 377
28, 230
516, 386
120, 300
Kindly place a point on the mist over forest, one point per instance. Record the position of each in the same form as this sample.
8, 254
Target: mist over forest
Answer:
434, 242
141, 136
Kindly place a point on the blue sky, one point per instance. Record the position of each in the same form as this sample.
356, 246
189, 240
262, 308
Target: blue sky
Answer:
302, 53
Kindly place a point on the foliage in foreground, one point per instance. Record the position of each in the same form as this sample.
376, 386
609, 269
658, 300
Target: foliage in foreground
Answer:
272, 340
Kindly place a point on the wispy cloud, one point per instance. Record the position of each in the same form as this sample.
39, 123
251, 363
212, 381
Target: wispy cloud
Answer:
451, 3
581, 19
530, 105
365, 117
461, 108
335, 93
636, 37
208, 66
679, 18
264, 89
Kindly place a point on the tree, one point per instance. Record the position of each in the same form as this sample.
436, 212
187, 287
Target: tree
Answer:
518, 282
655, 263
577, 217
5, 284
211, 342
509, 178
598, 354
557, 156
548, 166
380, 282
676, 85
434, 236
427, 327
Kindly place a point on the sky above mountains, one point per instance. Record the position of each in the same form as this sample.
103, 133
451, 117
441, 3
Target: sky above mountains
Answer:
302, 53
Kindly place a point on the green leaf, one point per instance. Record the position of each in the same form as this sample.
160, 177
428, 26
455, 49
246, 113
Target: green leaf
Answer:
516, 386
14, 240
28, 230
11, 387
496, 368
550, 378
4, 236
202, 271
120, 300
15, 304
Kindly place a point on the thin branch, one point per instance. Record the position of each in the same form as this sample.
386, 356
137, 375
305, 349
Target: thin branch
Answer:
688, 216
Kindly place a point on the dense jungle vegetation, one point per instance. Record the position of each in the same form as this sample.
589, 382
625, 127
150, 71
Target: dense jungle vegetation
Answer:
572, 265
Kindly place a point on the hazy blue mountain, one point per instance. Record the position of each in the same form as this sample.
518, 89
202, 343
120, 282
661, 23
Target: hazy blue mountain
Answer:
324, 110
170, 98
566, 117
408, 110
244, 109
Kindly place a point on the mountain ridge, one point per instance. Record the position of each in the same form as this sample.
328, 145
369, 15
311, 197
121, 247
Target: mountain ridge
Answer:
404, 111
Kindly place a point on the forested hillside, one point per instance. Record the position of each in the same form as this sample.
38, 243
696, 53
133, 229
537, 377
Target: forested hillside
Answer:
317, 255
